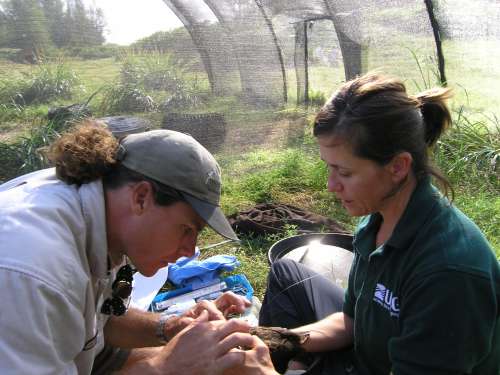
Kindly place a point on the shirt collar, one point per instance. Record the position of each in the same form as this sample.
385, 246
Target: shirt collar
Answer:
364, 238
93, 207
422, 201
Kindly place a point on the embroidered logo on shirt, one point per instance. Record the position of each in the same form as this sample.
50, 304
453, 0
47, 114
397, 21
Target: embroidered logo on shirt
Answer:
385, 298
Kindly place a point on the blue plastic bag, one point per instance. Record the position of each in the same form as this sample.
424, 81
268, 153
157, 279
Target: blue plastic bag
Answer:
173, 299
196, 273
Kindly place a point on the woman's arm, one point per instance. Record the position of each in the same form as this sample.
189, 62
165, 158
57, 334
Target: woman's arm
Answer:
336, 331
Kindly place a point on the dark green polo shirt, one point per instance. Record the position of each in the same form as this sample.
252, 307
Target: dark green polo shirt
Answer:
428, 301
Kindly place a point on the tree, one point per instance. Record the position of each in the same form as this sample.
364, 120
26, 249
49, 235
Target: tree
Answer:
54, 13
97, 25
27, 27
3, 28
86, 27
35, 25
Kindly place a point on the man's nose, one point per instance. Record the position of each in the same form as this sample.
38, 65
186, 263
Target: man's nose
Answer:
187, 246
333, 185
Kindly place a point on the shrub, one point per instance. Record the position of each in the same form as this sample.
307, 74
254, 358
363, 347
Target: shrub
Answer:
125, 98
316, 98
95, 52
45, 82
470, 152
9, 54
141, 77
27, 153
153, 71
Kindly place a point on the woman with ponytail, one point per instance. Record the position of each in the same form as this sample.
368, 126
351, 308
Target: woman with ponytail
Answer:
67, 236
423, 294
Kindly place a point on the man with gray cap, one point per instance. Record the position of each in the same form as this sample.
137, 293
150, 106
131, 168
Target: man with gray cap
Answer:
67, 237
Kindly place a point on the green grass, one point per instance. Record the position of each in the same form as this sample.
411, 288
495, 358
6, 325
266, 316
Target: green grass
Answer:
95, 73
484, 209
294, 174
471, 68
297, 176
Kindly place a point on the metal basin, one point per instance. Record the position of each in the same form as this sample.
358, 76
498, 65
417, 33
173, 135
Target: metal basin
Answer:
329, 254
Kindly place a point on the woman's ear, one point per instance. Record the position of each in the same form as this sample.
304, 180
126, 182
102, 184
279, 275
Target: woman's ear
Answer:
142, 197
400, 166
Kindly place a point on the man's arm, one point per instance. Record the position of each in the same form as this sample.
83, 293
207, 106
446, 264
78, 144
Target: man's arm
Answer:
208, 348
137, 329
334, 332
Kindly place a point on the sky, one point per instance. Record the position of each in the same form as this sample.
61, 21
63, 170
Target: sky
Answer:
129, 20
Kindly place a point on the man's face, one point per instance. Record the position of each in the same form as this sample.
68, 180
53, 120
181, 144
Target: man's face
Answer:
156, 235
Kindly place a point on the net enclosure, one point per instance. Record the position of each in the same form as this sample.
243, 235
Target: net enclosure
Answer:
244, 77
268, 54
265, 49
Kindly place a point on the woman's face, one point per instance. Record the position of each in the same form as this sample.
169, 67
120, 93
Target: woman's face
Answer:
361, 185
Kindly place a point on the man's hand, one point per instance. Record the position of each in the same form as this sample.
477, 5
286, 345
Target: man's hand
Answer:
174, 325
257, 360
208, 306
205, 347
231, 303
283, 344
227, 303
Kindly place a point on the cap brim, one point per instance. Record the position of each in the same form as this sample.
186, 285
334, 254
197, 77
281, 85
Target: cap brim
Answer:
213, 216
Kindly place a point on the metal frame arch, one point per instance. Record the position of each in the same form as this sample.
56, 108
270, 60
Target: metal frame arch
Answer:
437, 39
190, 24
246, 79
212, 4
351, 50
222, 22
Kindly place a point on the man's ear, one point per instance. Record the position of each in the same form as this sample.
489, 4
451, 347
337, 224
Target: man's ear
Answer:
142, 197
400, 166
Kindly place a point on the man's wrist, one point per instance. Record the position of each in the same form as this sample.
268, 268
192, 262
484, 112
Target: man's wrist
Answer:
161, 327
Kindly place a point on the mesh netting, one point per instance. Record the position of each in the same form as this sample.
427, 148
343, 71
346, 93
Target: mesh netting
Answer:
254, 61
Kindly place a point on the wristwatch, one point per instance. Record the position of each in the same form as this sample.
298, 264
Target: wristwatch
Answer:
160, 328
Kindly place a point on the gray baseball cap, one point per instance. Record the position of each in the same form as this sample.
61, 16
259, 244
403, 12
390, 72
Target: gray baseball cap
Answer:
177, 160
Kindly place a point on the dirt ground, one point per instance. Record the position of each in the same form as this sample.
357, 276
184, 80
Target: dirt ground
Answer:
9, 132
